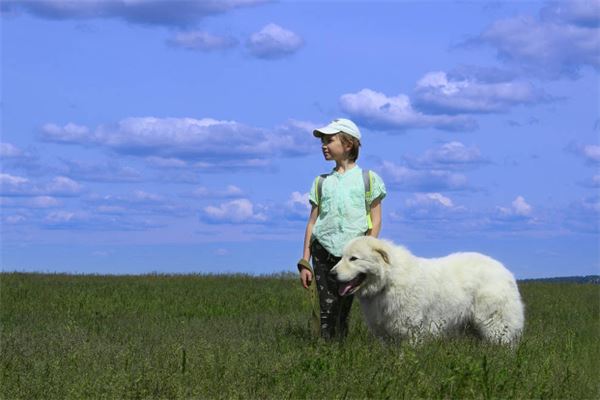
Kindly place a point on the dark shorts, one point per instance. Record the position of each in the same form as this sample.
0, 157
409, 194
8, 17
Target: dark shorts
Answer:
335, 309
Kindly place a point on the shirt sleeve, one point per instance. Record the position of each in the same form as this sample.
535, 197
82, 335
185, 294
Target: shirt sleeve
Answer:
377, 188
312, 197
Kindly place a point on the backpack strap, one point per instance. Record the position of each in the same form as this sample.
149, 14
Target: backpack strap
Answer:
368, 180
319, 187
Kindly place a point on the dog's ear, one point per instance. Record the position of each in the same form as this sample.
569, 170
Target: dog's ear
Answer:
383, 254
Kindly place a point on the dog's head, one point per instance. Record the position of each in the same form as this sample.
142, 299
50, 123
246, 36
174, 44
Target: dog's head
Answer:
363, 267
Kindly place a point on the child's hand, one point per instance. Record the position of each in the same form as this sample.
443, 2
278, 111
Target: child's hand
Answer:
305, 278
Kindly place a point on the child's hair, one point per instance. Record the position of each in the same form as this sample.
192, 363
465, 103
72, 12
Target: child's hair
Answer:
354, 142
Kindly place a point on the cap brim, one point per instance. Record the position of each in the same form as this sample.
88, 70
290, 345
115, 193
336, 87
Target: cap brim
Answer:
325, 131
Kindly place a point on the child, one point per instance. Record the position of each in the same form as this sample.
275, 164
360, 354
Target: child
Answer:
346, 203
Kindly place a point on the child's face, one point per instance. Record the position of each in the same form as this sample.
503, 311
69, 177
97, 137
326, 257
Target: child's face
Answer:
333, 148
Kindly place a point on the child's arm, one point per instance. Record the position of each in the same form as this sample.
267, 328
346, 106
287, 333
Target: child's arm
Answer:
375, 218
305, 274
314, 213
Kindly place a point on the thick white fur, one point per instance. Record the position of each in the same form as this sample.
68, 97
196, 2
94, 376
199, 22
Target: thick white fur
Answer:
408, 297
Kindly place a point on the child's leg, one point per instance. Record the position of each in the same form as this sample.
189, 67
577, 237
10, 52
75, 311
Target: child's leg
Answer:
344, 314
322, 264
329, 298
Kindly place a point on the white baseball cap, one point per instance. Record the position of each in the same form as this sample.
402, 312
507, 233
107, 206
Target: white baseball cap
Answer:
337, 126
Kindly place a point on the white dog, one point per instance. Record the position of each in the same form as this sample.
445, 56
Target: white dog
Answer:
406, 297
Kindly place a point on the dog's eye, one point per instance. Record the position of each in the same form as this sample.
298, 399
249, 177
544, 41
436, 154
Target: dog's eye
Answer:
353, 258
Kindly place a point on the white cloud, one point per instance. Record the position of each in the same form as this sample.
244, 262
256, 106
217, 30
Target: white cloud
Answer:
44, 202
8, 150
109, 171
185, 136
70, 133
12, 185
519, 209
167, 137
592, 182
297, 207
215, 144
94, 221
231, 191
429, 206
402, 177
26, 202
14, 219
221, 252
294, 138
201, 41
236, 211
301, 199
61, 217
589, 152
228, 165
564, 39
62, 186
142, 196
454, 155
14, 157
244, 211
578, 12
438, 215
156, 12
138, 202
437, 199
437, 92
12, 180
164, 162
273, 42
378, 111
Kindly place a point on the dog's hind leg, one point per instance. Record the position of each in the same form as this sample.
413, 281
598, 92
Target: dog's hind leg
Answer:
499, 319
494, 329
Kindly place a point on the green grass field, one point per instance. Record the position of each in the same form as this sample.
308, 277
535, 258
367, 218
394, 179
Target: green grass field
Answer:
245, 337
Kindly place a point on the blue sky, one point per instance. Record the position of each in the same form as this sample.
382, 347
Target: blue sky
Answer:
158, 137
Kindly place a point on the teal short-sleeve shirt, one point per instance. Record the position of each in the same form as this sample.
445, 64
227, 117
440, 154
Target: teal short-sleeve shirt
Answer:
342, 213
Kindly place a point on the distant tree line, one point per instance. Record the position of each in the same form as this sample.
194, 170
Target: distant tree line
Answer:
570, 279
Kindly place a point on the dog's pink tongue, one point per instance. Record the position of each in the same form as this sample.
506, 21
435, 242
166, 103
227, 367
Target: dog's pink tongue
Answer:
345, 289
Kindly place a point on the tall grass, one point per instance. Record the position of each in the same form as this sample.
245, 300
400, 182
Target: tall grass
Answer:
241, 337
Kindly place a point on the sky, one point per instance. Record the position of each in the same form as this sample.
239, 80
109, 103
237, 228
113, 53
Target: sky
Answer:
176, 136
